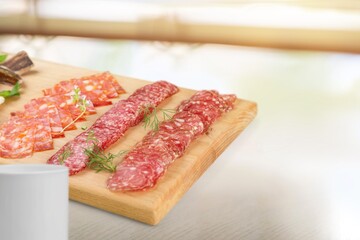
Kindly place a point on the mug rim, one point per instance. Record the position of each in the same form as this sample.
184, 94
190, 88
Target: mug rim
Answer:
30, 169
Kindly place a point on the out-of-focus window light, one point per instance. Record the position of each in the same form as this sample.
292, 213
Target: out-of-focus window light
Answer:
289, 14
295, 24
273, 15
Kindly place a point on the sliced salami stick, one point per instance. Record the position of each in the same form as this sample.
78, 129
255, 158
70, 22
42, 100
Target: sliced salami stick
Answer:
149, 159
112, 125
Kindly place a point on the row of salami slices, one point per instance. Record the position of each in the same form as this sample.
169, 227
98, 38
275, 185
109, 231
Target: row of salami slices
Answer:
44, 118
150, 158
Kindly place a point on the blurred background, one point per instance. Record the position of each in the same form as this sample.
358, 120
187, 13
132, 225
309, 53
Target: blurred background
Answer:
294, 173
290, 24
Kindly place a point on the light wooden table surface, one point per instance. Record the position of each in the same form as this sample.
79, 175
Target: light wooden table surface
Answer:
292, 174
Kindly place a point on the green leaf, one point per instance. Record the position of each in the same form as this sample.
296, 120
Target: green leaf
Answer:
91, 137
100, 161
3, 57
81, 103
13, 92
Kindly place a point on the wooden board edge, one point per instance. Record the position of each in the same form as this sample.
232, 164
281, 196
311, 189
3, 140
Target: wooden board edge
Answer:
111, 205
174, 195
153, 214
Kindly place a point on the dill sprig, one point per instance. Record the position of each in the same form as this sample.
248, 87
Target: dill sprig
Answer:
76, 94
101, 161
91, 137
64, 155
81, 102
151, 119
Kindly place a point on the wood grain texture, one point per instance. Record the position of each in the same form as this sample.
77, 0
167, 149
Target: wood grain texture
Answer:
90, 188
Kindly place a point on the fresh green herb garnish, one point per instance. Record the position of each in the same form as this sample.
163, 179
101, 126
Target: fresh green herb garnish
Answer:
83, 127
15, 91
151, 119
3, 57
64, 155
76, 95
81, 102
100, 161
91, 137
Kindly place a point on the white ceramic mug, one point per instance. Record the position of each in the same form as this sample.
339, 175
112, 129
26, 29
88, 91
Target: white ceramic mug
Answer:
34, 202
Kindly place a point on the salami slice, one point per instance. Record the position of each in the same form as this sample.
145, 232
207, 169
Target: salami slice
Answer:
148, 160
42, 132
66, 104
88, 88
49, 91
105, 82
42, 137
207, 113
17, 138
49, 110
111, 126
75, 110
64, 115
98, 88
61, 88
118, 88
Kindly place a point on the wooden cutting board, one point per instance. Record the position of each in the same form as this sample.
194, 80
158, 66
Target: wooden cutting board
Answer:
90, 188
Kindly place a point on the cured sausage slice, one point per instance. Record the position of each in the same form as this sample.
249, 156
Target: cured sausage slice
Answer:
105, 82
97, 97
75, 110
42, 132
17, 138
64, 115
49, 110
88, 88
98, 88
105, 78
42, 137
